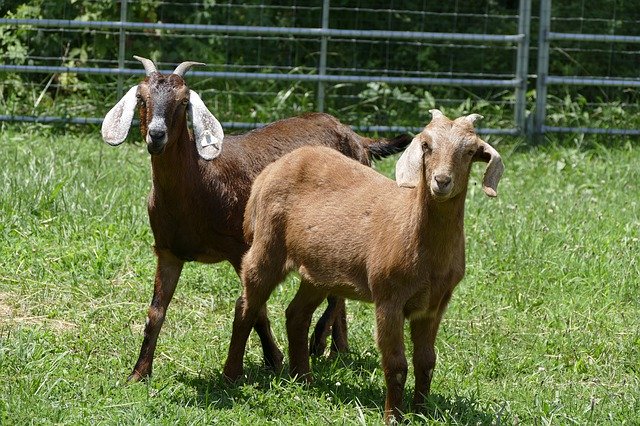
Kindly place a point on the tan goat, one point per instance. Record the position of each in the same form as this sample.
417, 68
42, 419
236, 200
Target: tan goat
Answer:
336, 221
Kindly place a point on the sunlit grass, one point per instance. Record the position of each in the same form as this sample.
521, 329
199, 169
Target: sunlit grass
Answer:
544, 329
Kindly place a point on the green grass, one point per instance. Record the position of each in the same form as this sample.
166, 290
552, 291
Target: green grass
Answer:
544, 329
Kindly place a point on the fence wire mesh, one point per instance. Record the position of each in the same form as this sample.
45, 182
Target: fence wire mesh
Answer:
264, 59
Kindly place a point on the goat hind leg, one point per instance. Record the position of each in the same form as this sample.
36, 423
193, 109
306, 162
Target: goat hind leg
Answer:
333, 320
168, 270
339, 341
250, 311
299, 313
272, 355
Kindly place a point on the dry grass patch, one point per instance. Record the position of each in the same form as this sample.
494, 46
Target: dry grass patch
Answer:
19, 316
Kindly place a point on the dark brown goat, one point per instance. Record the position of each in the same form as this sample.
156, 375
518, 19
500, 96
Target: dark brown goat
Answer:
330, 218
201, 183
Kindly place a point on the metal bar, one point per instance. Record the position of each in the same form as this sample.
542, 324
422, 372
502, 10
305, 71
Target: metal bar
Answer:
522, 65
121, 47
543, 68
593, 81
594, 37
48, 119
592, 130
470, 82
288, 31
242, 125
322, 67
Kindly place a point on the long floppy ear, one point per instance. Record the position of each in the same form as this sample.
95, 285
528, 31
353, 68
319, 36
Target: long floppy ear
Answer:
409, 164
494, 168
117, 122
206, 128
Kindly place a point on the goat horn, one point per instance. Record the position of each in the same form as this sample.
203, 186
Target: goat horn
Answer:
436, 113
471, 118
148, 64
185, 66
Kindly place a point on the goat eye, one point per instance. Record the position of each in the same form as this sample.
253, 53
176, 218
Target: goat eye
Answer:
470, 153
185, 101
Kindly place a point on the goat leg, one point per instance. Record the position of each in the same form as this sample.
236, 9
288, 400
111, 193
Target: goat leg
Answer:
168, 270
390, 339
251, 308
423, 333
339, 341
272, 355
423, 336
298, 314
242, 324
334, 320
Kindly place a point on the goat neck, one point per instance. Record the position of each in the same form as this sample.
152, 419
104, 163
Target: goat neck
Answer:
172, 168
440, 224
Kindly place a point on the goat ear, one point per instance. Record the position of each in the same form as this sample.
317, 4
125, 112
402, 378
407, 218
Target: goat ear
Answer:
409, 165
494, 168
206, 128
117, 122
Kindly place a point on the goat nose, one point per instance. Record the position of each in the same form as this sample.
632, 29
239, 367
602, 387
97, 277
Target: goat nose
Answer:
157, 135
443, 180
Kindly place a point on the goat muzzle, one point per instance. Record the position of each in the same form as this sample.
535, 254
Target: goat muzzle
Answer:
441, 186
156, 141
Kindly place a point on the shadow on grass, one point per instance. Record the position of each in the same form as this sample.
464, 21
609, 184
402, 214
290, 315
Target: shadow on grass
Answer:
356, 385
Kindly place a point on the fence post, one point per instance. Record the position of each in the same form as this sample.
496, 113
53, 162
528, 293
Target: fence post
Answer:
121, 46
543, 70
522, 66
322, 66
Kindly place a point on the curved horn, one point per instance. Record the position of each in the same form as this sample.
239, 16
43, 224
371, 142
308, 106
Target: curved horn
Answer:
471, 118
185, 66
148, 64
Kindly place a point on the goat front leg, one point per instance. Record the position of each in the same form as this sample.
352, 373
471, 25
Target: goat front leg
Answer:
423, 336
299, 313
390, 338
168, 270
334, 320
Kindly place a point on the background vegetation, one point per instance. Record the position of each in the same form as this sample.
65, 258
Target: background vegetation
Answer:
82, 95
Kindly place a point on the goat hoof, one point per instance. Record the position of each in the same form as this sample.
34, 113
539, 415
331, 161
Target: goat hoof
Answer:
317, 346
274, 361
135, 377
231, 375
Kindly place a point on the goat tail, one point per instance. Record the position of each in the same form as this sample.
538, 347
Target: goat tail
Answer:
383, 147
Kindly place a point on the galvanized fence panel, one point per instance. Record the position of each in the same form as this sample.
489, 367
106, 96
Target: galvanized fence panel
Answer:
317, 64
593, 92
300, 62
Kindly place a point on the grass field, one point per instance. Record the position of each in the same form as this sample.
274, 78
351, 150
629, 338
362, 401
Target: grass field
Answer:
544, 328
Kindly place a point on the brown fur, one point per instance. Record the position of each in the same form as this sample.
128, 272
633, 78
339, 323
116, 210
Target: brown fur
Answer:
196, 206
352, 232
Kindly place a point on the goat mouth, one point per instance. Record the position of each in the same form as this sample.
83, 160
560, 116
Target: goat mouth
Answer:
155, 149
440, 195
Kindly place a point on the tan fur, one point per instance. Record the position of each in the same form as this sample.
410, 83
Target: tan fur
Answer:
352, 232
196, 206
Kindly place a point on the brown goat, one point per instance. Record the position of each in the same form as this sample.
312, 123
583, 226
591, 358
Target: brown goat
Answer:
200, 186
352, 232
